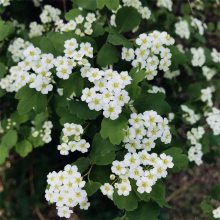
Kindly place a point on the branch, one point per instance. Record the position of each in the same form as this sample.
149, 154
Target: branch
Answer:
181, 190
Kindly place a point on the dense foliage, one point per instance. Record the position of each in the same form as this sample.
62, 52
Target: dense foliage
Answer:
103, 99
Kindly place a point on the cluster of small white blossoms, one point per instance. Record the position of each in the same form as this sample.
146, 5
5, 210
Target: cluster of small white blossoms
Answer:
17, 47
182, 29
213, 120
138, 164
189, 115
35, 69
44, 133
171, 74
108, 93
156, 89
145, 129
65, 189
151, 53
208, 72
5, 2
216, 213
143, 10
71, 139
36, 29
199, 25
195, 152
215, 55
206, 95
48, 15
198, 58
165, 3
81, 25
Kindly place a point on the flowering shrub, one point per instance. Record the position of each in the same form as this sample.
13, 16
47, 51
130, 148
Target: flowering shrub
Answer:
122, 92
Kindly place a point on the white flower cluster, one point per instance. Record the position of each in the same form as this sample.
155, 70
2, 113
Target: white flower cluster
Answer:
213, 120
198, 58
208, 72
206, 95
65, 189
44, 133
171, 74
216, 213
165, 3
199, 25
138, 164
182, 29
156, 89
5, 2
143, 10
50, 14
108, 93
195, 152
36, 68
36, 29
144, 129
71, 139
151, 53
81, 25
215, 55
17, 47
189, 114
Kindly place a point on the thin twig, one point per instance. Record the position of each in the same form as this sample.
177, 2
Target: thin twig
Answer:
181, 190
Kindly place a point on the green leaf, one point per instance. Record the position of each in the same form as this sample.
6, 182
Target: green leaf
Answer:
100, 173
158, 194
114, 129
178, 58
6, 29
145, 211
102, 152
206, 206
9, 139
46, 45
82, 163
30, 99
72, 86
127, 18
40, 119
215, 193
180, 160
118, 39
3, 70
91, 187
87, 4
107, 55
112, 4
82, 110
129, 203
100, 3
23, 148
70, 15
3, 153
154, 101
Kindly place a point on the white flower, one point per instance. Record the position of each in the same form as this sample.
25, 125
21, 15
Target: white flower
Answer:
216, 213
107, 189
198, 58
182, 29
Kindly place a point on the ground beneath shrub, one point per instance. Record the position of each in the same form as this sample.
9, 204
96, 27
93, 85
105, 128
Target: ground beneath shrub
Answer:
187, 190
